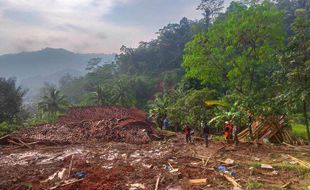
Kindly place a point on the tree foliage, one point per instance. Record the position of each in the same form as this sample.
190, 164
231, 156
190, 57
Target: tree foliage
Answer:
238, 54
11, 98
52, 101
296, 66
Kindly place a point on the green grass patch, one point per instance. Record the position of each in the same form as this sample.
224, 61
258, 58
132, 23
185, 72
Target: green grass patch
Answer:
255, 164
299, 130
307, 175
219, 138
284, 166
292, 167
6, 128
253, 184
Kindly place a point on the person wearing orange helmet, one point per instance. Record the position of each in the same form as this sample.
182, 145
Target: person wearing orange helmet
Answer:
227, 130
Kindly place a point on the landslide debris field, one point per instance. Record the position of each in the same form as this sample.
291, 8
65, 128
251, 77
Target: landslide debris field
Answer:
114, 148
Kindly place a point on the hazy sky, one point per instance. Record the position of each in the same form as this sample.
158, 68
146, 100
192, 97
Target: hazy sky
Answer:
86, 25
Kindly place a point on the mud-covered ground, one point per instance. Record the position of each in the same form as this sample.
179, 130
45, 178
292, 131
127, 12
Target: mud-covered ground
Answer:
132, 166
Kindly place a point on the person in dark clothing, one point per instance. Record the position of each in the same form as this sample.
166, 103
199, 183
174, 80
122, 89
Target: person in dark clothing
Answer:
206, 130
159, 121
166, 124
188, 134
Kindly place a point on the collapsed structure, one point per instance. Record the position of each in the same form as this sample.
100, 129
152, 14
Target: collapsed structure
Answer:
271, 128
93, 124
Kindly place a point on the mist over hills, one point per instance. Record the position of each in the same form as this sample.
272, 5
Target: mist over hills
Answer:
33, 69
45, 62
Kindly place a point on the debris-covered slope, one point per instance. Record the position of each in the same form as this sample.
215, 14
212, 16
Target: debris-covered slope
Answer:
93, 124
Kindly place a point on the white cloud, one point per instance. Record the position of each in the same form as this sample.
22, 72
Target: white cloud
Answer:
73, 24
82, 25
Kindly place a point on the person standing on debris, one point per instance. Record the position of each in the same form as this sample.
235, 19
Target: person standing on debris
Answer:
206, 129
235, 134
188, 134
159, 122
227, 130
166, 124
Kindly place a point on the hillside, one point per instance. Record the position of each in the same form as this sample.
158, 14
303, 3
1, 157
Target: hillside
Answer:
49, 61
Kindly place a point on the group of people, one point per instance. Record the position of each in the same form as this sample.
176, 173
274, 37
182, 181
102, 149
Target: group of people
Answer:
230, 130
189, 132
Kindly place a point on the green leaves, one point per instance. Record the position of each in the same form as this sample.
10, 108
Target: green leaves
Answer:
11, 97
53, 101
237, 55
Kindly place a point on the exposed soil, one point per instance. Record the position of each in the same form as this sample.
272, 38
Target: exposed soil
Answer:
113, 161
93, 124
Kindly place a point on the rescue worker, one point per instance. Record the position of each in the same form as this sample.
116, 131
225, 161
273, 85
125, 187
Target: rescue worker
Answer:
187, 131
227, 130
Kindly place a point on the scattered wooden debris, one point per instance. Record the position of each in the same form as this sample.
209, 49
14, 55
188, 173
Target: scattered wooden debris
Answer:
4, 137
268, 181
70, 166
23, 143
232, 181
296, 147
13, 142
198, 181
157, 182
301, 162
67, 182
286, 185
137, 186
212, 155
266, 166
203, 159
271, 128
228, 161
174, 170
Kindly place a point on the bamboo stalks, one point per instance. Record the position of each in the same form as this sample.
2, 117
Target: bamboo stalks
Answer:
271, 128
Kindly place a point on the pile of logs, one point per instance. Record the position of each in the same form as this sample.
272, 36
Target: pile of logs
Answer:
271, 128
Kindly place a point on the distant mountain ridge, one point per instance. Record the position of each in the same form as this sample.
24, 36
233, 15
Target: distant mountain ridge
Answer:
45, 62
33, 69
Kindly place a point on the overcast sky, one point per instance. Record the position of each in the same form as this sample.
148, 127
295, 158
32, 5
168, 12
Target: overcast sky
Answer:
100, 26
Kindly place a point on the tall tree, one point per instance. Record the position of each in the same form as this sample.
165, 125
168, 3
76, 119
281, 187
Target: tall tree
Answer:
11, 99
122, 94
52, 101
238, 56
297, 64
102, 97
210, 8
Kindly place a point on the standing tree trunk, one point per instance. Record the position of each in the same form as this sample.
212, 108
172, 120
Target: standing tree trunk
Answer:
250, 131
250, 121
306, 119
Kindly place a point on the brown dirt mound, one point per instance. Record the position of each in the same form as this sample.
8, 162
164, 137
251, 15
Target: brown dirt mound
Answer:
93, 124
78, 114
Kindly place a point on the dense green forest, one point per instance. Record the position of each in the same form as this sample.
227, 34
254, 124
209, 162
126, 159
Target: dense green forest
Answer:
252, 58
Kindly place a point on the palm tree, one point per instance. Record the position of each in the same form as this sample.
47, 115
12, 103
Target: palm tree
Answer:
101, 95
53, 101
122, 94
